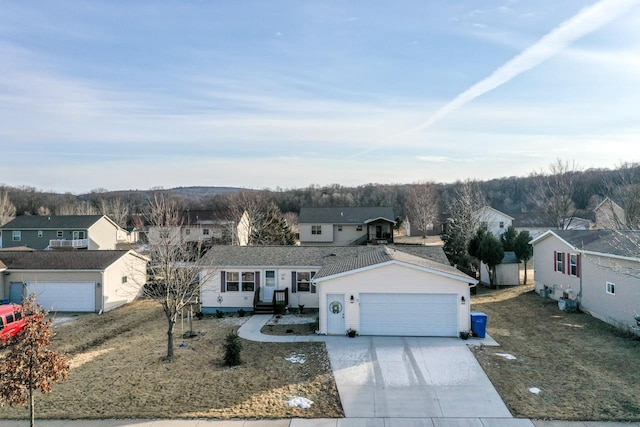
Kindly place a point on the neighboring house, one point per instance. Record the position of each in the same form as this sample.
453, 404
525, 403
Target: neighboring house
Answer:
576, 223
535, 223
203, 226
376, 290
496, 221
598, 269
92, 232
346, 225
83, 281
507, 272
435, 229
609, 215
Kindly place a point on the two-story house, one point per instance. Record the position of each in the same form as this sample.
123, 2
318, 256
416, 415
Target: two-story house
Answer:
341, 226
91, 232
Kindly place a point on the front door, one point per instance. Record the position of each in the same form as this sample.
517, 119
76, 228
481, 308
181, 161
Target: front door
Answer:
269, 285
335, 314
16, 292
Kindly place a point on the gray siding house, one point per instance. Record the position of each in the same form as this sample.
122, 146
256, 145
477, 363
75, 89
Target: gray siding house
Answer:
599, 270
92, 232
346, 225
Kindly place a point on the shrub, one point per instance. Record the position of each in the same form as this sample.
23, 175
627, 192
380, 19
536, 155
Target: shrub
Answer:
232, 350
219, 314
241, 313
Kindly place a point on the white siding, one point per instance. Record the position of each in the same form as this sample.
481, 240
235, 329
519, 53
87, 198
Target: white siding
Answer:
102, 235
115, 292
544, 274
307, 238
390, 279
348, 234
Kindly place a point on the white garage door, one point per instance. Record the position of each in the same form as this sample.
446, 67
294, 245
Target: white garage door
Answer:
65, 296
409, 315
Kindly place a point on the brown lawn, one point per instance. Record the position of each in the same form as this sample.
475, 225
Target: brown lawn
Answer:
118, 371
585, 369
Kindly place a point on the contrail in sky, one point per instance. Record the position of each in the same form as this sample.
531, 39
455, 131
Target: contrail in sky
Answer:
584, 22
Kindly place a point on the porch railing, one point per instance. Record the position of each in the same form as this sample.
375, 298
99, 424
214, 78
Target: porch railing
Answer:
63, 243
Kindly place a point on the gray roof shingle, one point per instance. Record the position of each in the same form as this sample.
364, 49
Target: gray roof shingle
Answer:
60, 260
59, 222
344, 215
614, 242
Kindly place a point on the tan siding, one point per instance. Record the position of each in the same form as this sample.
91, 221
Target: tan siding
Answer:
102, 235
117, 293
307, 238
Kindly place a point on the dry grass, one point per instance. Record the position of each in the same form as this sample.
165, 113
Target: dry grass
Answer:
585, 369
118, 371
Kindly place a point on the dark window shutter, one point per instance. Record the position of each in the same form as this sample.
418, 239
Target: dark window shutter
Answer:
555, 260
223, 285
313, 286
257, 279
565, 262
293, 282
578, 265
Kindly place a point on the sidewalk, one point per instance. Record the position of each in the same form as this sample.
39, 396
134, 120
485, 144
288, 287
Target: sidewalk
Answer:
323, 422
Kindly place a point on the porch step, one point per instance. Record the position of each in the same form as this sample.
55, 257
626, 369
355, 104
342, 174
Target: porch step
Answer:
263, 308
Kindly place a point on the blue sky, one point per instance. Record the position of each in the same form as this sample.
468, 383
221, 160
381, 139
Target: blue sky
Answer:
265, 94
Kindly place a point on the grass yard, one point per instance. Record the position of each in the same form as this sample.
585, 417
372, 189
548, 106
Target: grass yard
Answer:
585, 369
118, 371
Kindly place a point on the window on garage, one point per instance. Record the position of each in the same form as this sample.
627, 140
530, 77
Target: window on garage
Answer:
17, 236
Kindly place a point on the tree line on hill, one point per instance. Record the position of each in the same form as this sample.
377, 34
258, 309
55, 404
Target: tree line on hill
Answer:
562, 190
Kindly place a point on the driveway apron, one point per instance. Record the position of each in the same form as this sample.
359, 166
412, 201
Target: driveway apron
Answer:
404, 377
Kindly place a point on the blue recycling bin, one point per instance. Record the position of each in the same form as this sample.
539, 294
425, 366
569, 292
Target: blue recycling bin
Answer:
479, 324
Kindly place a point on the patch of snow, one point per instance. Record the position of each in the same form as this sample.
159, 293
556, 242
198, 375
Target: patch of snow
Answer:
534, 390
506, 356
292, 319
296, 358
300, 402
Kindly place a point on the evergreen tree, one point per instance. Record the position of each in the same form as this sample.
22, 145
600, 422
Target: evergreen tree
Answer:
508, 239
523, 250
491, 253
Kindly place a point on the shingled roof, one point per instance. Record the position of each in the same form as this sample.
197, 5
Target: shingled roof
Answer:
59, 222
613, 242
60, 260
382, 255
344, 215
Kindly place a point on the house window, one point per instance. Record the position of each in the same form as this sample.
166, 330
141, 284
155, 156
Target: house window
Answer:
205, 231
573, 263
59, 233
340, 228
187, 231
611, 288
248, 280
233, 281
40, 233
316, 229
501, 224
124, 279
359, 228
303, 281
77, 235
559, 261
17, 236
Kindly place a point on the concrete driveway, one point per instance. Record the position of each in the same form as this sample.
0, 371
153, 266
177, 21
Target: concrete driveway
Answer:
412, 378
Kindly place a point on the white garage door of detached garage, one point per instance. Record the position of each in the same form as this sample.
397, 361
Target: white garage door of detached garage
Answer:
65, 296
413, 315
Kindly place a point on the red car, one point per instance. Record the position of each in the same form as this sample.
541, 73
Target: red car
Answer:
11, 321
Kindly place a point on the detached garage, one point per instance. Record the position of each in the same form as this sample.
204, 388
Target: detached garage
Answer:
73, 281
390, 292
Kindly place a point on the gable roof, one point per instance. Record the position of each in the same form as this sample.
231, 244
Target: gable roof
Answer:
37, 222
606, 242
302, 256
532, 219
483, 209
385, 255
61, 260
345, 215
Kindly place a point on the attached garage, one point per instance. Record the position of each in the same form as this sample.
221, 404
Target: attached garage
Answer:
64, 296
390, 292
413, 314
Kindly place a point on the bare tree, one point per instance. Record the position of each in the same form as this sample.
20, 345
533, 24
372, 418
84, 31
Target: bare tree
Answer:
250, 208
116, 209
625, 188
7, 209
30, 365
176, 269
555, 192
422, 206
